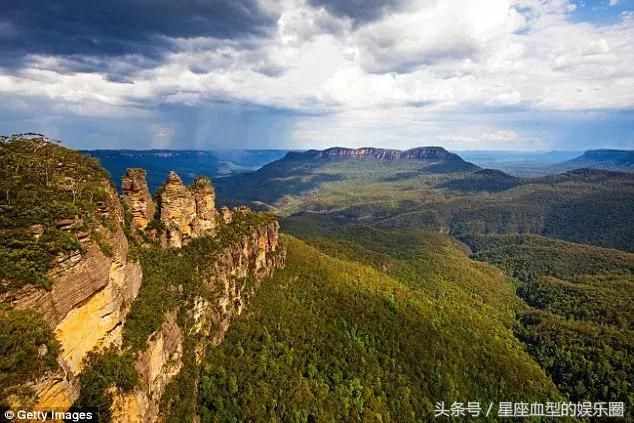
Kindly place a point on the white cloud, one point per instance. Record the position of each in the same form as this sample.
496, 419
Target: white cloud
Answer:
431, 57
434, 32
505, 99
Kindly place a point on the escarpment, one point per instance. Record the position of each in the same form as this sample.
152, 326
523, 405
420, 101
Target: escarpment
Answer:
232, 251
223, 290
82, 281
419, 153
139, 283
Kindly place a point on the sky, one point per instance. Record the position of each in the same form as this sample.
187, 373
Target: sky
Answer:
298, 74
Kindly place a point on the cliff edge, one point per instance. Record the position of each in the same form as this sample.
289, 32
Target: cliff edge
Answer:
109, 301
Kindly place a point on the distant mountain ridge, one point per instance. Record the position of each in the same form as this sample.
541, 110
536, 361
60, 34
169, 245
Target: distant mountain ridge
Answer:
187, 163
609, 159
418, 153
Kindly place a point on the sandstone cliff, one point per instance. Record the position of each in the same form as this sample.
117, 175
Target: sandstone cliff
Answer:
90, 281
419, 153
86, 306
230, 279
245, 249
157, 365
187, 213
137, 198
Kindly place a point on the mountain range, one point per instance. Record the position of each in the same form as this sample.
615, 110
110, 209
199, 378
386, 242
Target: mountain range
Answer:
221, 163
380, 284
439, 191
622, 160
188, 163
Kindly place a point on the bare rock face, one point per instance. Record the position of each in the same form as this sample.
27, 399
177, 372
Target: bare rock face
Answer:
205, 199
90, 297
137, 198
187, 213
226, 215
178, 211
251, 259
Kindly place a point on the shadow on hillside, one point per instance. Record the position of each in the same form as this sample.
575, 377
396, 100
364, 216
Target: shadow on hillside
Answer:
246, 188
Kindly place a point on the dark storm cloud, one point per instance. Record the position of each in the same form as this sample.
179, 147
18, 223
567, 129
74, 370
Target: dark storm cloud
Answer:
360, 11
89, 33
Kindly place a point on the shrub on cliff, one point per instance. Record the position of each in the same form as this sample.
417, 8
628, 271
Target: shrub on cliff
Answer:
44, 186
103, 371
28, 348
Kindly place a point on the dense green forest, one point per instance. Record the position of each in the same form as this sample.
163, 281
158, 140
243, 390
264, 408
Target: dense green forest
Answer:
580, 327
589, 206
577, 307
331, 338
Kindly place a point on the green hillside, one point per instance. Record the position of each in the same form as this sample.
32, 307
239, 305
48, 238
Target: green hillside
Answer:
340, 339
589, 206
610, 159
45, 189
575, 312
581, 326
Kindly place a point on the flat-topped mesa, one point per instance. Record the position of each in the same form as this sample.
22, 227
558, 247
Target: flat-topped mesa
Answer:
187, 213
340, 152
419, 153
137, 198
429, 153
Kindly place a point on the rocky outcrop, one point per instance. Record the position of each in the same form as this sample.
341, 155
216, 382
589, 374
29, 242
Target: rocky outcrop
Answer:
178, 211
90, 296
205, 198
225, 215
233, 276
89, 290
339, 152
137, 198
187, 213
